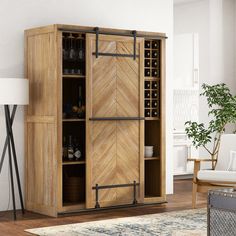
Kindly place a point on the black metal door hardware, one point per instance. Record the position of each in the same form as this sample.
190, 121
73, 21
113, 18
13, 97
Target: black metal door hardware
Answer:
97, 53
96, 31
115, 118
98, 187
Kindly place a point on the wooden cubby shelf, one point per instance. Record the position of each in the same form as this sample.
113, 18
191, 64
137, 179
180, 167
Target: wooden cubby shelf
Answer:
152, 118
152, 79
73, 162
151, 158
73, 120
74, 76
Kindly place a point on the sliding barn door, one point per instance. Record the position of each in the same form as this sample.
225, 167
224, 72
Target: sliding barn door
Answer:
114, 132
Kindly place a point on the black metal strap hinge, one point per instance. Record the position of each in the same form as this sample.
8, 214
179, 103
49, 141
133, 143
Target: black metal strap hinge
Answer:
98, 187
97, 32
135, 36
97, 53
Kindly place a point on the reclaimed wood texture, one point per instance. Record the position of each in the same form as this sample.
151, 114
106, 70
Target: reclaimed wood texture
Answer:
40, 123
114, 148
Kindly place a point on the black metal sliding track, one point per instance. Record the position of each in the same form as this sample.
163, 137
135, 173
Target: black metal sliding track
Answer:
112, 33
115, 118
97, 32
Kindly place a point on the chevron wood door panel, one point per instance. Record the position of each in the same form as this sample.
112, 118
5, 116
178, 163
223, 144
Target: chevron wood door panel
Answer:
127, 158
103, 87
128, 82
104, 157
114, 148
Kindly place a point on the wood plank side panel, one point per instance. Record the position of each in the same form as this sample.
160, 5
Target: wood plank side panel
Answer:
41, 176
42, 75
58, 39
41, 123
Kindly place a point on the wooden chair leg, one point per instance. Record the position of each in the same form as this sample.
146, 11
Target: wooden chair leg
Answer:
194, 195
194, 191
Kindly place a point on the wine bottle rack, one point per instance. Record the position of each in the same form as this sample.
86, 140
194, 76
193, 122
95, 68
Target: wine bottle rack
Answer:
152, 96
152, 58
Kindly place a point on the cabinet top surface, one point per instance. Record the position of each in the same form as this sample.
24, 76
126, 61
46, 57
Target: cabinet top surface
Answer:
64, 27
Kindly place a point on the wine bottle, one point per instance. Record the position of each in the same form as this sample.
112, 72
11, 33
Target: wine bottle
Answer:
154, 113
77, 152
154, 94
147, 85
154, 45
147, 53
147, 103
147, 94
147, 63
64, 149
154, 104
147, 72
147, 44
70, 149
154, 85
154, 63
154, 54
154, 73
147, 113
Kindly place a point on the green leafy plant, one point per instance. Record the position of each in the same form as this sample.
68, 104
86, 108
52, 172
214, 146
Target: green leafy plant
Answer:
222, 110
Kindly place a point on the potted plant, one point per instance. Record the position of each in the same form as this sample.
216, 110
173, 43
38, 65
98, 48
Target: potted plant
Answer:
222, 111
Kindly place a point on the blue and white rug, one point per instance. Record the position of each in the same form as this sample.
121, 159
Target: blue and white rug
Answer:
177, 223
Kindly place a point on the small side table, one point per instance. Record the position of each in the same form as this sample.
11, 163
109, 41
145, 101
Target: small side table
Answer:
221, 208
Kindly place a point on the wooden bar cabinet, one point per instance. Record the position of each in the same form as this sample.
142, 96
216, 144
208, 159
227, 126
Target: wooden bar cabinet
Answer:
97, 98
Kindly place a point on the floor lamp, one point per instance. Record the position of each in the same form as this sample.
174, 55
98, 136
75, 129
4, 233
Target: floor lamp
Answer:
13, 91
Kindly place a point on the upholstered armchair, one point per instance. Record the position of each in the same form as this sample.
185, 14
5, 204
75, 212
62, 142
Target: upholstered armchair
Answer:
224, 174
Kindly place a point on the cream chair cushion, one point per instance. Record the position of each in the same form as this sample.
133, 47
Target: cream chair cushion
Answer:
224, 171
232, 162
228, 144
217, 175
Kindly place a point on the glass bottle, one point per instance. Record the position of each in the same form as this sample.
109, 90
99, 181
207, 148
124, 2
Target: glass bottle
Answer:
77, 153
70, 149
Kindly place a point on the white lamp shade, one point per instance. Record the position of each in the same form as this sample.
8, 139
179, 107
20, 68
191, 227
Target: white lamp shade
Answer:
14, 91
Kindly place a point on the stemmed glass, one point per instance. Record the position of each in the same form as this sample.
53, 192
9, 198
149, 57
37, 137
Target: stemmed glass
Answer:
65, 51
72, 53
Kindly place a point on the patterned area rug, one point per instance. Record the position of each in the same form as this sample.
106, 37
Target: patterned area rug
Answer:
178, 223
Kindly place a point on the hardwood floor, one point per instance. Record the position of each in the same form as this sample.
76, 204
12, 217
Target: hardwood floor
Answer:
179, 201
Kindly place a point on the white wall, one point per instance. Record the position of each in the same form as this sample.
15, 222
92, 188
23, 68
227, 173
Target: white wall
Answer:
214, 21
15, 16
